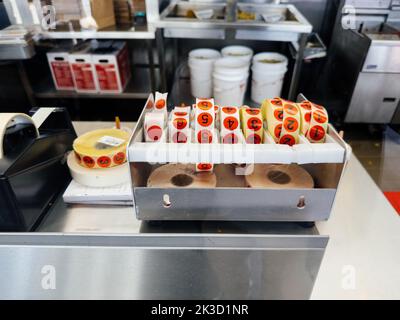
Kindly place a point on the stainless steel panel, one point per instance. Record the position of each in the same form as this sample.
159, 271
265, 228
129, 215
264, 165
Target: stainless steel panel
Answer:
159, 266
373, 4
375, 99
194, 33
239, 204
383, 56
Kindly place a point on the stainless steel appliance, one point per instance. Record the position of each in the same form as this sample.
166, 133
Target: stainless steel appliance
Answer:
364, 65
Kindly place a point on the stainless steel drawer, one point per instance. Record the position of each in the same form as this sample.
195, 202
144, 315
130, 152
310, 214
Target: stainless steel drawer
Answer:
227, 204
159, 266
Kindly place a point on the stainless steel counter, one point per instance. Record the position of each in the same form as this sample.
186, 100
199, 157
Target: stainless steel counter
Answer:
104, 252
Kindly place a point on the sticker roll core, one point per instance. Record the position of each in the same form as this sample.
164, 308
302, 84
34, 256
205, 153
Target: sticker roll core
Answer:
278, 176
181, 176
9, 119
103, 148
97, 178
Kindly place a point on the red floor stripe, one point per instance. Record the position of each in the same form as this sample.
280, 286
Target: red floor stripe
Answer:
394, 199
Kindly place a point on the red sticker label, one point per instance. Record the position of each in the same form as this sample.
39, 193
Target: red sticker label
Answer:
230, 138
307, 117
119, 158
204, 105
204, 166
204, 136
160, 104
205, 119
180, 123
316, 133
229, 110
291, 109
287, 139
291, 124
254, 124
253, 139
253, 112
276, 102
179, 137
88, 161
180, 114
278, 114
104, 162
231, 123
154, 133
320, 117
278, 131
306, 105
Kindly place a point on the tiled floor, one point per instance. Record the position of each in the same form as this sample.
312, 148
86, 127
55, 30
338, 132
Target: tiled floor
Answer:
378, 149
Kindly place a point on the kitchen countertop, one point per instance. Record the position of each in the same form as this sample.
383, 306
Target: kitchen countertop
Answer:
363, 255
360, 262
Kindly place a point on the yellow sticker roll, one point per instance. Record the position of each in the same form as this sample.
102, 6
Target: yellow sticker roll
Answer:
290, 125
272, 110
252, 125
283, 120
103, 148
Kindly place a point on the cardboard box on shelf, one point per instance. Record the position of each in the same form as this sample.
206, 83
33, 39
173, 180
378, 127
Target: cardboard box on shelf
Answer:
103, 12
111, 62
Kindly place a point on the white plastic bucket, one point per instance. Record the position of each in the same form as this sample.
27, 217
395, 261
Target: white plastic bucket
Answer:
238, 52
270, 62
266, 85
201, 65
229, 90
231, 66
201, 88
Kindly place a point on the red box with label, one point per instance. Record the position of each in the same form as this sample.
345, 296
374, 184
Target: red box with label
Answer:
83, 70
111, 62
60, 69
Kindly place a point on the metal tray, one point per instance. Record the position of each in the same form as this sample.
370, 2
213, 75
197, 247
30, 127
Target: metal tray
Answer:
226, 203
177, 23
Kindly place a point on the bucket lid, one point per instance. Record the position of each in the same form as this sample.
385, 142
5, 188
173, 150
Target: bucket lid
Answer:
270, 58
237, 52
204, 54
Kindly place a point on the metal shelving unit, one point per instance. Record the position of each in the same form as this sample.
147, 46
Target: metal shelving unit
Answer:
138, 88
115, 32
293, 29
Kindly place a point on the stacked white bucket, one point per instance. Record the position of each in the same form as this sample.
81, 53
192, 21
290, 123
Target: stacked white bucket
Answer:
225, 79
268, 71
201, 65
231, 74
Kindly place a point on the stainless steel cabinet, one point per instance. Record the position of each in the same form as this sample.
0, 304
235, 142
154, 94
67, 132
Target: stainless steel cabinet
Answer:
375, 99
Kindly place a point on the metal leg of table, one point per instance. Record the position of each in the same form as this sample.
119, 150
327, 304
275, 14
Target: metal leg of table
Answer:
161, 59
149, 44
294, 85
26, 83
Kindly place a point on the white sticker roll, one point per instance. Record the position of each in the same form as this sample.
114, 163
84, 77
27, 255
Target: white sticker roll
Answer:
98, 177
179, 127
154, 126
